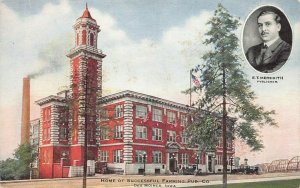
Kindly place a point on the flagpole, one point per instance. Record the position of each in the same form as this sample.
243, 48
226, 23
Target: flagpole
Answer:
190, 87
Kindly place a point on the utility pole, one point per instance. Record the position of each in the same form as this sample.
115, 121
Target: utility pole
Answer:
190, 88
85, 130
224, 132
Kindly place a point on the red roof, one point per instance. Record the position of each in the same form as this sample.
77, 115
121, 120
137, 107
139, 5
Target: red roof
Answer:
86, 13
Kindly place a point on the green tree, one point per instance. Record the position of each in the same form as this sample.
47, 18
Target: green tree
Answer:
225, 92
19, 166
7, 169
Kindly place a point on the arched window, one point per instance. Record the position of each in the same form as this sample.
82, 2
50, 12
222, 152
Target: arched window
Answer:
92, 39
84, 37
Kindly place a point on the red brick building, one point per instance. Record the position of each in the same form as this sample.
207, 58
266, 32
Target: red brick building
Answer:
122, 129
135, 124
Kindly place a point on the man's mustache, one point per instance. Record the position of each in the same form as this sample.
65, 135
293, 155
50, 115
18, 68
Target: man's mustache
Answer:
263, 33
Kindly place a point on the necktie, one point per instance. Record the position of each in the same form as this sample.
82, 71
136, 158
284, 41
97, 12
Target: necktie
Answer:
263, 52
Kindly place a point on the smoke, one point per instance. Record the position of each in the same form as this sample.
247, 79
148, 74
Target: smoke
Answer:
51, 58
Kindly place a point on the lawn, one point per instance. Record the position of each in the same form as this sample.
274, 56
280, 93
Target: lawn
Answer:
269, 184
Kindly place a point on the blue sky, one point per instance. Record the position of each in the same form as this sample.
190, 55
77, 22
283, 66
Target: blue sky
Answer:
150, 47
148, 18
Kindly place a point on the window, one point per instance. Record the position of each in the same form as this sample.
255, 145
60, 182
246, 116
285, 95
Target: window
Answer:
63, 116
84, 37
92, 39
229, 143
171, 136
157, 115
219, 159
139, 158
184, 159
141, 111
156, 157
184, 138
118, 131
35, 141
47, 114
183, 120
35, 131
117, 156
220, 142
171, 117
63, 133
118, 111
46, 133
104, 114
104, 133
141, 132
156, 134
77, 39
103, 156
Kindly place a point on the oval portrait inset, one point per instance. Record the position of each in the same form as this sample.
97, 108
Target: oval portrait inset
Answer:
267, 39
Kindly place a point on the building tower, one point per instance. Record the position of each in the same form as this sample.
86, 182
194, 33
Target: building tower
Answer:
86, 87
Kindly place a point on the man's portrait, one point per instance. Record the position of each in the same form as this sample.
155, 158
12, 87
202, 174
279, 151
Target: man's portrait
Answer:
267, 39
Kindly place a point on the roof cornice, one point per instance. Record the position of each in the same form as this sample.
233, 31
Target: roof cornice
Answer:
51, 98
141, 96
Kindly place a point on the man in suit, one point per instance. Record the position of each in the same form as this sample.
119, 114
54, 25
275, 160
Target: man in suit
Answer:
270, 55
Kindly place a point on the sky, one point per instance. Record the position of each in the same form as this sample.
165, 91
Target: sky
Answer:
150, 45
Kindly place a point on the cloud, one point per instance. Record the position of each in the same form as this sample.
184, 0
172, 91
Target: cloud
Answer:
142, 65
29, 44
24, 48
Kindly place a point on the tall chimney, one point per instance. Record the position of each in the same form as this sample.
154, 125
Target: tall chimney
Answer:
25, 124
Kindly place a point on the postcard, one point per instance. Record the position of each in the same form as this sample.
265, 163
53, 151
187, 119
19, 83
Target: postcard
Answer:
149, 93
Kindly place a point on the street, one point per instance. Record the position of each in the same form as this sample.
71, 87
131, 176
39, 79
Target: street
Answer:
113, 180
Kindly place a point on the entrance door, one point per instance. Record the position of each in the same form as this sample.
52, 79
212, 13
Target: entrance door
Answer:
172, 156
173, 165
209, 164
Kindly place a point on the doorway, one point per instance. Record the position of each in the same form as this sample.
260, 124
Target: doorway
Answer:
173, 165
209, 163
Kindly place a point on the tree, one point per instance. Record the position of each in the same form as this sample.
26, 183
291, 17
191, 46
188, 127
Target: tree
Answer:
19, 166
24, 156
7, 169
226, 106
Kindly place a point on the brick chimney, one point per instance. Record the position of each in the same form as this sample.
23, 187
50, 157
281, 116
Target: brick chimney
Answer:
25, 122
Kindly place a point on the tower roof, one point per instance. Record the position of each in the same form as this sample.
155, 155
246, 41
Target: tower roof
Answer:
86, 13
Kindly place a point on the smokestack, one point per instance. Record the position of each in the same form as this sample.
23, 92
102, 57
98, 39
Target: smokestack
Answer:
25, 124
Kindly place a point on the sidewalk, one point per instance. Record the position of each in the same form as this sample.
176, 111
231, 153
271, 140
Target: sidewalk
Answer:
129, 181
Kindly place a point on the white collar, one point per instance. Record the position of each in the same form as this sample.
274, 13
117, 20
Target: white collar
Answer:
269, 43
